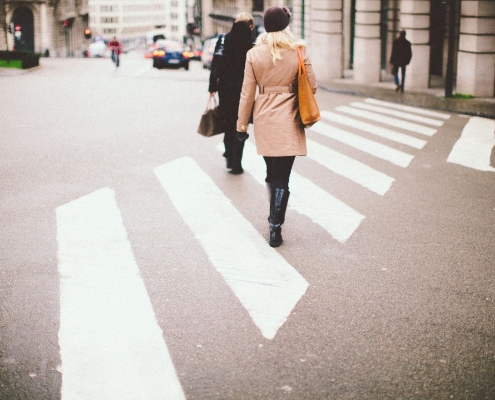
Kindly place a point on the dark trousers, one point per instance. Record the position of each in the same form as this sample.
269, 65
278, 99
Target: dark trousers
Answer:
395, 71
278, 171
233, 146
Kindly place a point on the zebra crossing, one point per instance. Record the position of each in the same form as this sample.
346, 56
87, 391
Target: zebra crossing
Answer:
107, 320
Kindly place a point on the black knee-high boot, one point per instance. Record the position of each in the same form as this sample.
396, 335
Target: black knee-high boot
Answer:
278, 206
269, 191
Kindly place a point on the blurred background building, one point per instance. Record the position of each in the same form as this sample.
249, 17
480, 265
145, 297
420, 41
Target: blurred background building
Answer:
453, 41
63, 27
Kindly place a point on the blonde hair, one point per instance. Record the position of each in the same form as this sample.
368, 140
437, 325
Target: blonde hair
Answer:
245, 17
279, 42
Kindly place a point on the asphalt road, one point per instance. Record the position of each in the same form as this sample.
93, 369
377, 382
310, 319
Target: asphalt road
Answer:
390, 267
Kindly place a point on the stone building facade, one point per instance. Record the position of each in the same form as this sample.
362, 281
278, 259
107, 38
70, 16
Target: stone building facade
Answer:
451, 39
50, 27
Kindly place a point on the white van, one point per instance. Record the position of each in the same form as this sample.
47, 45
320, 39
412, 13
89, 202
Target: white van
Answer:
154, 35
208, 50
98, 49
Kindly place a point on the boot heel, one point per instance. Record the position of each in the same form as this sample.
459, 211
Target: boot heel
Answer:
276, 237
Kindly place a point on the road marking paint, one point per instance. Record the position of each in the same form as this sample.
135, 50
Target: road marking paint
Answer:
349, 168
400, 114
110, 343
376, 149
266, 285
383, 119
473, 149
415, 110
306, 198
375, 130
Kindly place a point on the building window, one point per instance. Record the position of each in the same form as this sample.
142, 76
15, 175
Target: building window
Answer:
258, 5
109, 20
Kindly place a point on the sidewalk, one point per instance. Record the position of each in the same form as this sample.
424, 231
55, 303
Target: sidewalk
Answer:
15, 71
430, 98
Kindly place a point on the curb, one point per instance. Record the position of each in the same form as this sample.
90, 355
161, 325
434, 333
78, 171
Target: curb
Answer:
473, 110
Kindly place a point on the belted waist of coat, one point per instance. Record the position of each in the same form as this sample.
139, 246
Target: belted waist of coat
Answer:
278, 89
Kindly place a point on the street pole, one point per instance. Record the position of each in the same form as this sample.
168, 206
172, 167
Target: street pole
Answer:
66, 42
449, 76
303, 17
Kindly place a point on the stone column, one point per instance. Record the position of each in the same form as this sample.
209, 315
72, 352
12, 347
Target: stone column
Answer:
476, 57
208, 29
415, 20
326, 39
45, 25
367, 43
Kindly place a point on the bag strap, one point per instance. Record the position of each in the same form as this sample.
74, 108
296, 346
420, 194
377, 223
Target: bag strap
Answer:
301, 66
211, 103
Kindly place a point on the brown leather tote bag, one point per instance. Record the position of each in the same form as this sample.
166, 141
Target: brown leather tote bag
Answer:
308, 107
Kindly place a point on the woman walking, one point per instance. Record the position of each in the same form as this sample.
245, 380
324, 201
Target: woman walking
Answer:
272, 66
227, 73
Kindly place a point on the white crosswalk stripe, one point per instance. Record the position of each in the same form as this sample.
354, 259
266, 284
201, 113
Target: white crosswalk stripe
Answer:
391, 121
110, 343
400, 114
362, 174
414, 110
266, 285
374, 129
474, 147
376, 149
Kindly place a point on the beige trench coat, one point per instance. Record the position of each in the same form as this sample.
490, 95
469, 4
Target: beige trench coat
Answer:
278, 130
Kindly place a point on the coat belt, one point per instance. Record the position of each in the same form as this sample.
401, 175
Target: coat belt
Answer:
278, 89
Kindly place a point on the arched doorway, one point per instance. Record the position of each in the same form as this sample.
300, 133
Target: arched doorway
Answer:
24, 29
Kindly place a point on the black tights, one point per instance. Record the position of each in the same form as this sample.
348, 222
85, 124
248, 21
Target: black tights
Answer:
278, 171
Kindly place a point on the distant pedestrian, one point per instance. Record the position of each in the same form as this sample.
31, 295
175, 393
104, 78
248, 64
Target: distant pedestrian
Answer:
400, 57
227, 73
272, 66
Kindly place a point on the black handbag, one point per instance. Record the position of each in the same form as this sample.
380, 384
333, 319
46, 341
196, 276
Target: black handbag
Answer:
211, 122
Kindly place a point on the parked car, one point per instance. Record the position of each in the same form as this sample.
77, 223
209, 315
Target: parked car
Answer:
197, 54
194, 54
208, 50
170, 53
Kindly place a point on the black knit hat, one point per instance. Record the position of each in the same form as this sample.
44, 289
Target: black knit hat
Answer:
276, 19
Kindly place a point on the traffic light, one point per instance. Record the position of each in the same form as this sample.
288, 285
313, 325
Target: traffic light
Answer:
190, 27
87, 33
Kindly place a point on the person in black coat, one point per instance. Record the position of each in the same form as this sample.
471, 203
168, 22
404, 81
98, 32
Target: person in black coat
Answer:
226, 77
400, 57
